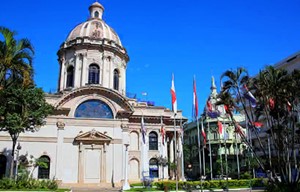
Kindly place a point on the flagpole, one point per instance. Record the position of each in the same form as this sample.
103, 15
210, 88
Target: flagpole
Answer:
210, 157
237, 155
226, 163
221, 158
182, 155
199, 152
176, 155
203, 153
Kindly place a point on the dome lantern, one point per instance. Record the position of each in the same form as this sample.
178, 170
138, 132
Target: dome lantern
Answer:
96, 11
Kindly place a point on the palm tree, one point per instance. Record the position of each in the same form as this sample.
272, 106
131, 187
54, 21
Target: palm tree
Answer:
15, 59
232, 97
279, 97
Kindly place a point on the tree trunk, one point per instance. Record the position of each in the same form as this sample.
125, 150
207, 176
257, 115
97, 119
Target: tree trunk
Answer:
12, 158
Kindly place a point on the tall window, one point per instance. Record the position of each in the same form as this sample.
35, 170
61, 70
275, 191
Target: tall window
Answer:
94, 74
153, 168
44, 171
70, 76
116, 79
153, 141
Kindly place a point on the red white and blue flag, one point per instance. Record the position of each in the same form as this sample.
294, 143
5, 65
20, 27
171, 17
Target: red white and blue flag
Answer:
257, 125
248, 95
203, 134
220, 129
162, 131
208, 105
239, 130
173, 94
143, 130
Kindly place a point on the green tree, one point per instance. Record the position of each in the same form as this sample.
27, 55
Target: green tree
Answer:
277, 99
15, 59
22, 109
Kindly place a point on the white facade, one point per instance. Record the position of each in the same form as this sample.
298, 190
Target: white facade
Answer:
94, 122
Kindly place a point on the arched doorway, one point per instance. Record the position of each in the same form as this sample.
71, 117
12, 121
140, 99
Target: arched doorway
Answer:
134, 170
3, 161
44, 171
153, 168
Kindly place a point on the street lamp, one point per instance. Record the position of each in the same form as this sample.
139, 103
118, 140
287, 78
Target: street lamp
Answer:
189, 169
19, 147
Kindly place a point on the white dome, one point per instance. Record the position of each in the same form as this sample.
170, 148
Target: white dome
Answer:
95, 27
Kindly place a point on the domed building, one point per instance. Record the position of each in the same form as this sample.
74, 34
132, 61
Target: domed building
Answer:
97, 134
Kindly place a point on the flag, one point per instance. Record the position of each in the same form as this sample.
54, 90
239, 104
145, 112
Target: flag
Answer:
143, 130
248, 95
173, 94
162, 132
209, 110
239, 130
257, 125
195, 100
289, 106
227, 109
203, 135
208, 105
220, 128
271, 103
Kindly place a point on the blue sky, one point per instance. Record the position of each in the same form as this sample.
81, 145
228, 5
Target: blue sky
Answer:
187, 38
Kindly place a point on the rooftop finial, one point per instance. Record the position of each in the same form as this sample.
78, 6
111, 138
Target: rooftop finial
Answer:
213, 87
96, 10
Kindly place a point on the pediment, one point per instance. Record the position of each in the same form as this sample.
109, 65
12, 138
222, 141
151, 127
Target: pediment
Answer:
92, 136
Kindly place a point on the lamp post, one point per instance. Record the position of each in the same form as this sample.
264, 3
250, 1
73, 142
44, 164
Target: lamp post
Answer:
189, 169
19, 147
126, 184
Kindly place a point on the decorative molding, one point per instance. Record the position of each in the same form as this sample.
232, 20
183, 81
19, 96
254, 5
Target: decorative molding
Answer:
31, 139
60, 125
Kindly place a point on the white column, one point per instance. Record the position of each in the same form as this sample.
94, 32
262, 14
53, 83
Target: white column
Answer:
171, 151
77, 72
165, 154
104, 74
62, 75
181, 159
123, 81
110, 73
84, 70
126, 184
59, 150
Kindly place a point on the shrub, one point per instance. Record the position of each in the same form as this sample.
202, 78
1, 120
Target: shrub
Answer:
27, 183
218, 184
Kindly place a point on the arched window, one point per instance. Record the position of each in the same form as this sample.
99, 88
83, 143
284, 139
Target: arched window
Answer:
70, 77
153, 141
153, 168
94, 74
96, 14
116, 79
44, 168
94, 109
3, 161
